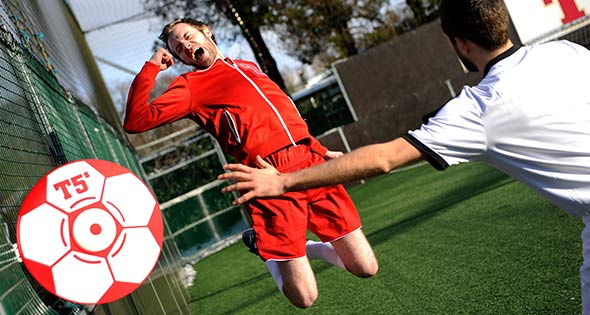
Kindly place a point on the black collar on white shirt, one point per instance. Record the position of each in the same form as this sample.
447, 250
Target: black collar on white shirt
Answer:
507, 53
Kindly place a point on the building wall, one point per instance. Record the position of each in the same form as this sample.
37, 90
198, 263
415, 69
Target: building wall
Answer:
392, 86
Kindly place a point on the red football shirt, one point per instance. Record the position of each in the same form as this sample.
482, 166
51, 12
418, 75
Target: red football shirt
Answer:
234, 101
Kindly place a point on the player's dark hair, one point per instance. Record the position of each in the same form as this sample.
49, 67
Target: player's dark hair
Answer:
484, 22
168, 29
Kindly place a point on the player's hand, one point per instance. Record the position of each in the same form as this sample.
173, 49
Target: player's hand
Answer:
253, 182
162, 58
332, 154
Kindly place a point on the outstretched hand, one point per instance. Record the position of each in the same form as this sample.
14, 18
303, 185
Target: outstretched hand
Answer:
264, 181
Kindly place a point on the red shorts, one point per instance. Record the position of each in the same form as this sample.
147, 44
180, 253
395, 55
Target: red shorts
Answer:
280, 223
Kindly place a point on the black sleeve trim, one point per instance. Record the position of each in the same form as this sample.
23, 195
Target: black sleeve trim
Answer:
431, 157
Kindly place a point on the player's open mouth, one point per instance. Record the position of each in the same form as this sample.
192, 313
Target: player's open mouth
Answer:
198, 54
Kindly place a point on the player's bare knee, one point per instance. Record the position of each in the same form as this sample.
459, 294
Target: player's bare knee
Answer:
302, 295
371, 269
304, 300
366, 270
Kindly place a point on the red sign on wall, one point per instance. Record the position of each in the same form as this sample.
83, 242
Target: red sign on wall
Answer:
536, 18
570, 10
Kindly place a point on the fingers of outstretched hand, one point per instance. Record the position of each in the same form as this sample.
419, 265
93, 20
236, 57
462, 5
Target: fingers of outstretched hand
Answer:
252, 182
249, 187
238, 176
244, 198
262, 163
240, 186
238, 168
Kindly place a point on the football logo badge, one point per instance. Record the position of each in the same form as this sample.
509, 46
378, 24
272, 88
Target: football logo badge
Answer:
90, 231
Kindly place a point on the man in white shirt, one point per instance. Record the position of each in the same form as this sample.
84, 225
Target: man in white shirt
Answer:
529, 117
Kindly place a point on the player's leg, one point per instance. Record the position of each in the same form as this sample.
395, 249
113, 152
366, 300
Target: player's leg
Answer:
324, 251
351, 252
356, 253
280, 228
296, 280
333, 217
585, 269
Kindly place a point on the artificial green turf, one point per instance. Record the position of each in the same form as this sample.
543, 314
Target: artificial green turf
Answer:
469, 240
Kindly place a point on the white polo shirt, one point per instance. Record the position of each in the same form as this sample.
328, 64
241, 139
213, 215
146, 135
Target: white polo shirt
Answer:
529, 117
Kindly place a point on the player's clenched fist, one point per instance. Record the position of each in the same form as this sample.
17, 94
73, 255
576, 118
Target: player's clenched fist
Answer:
163, 59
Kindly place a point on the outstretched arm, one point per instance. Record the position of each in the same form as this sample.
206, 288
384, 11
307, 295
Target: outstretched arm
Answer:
361, 163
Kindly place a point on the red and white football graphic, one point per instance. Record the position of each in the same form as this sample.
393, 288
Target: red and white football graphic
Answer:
90, 231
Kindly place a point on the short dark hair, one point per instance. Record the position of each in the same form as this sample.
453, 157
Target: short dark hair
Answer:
484, 22
168, 29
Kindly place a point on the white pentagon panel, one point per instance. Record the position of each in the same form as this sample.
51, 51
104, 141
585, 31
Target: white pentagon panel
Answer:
44, 235
82, 278
129, 200
134, 255
74, 186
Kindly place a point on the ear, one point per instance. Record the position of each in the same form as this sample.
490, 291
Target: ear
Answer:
462, 45
207, 32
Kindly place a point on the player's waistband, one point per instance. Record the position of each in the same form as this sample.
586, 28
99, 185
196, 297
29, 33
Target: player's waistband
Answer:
290, 155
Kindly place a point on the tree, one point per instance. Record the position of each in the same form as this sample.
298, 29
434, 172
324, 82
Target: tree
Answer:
389, 27
424, 10
417, 7
313, 31
329, 29
248, 15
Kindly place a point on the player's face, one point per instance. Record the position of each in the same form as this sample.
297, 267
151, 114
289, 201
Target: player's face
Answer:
194, 47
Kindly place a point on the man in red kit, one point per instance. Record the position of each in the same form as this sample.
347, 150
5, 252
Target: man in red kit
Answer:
249, 115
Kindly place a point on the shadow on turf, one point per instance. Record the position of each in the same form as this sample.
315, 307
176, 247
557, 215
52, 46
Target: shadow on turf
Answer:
251, 300
256, 299
237, 285
440, 205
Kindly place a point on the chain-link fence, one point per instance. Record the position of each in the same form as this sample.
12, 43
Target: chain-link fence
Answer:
52, 112
577, 31
183, 173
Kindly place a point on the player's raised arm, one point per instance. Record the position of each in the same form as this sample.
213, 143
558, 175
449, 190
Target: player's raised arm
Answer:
361, 163
172, 105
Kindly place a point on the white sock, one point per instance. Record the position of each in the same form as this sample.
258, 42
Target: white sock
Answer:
273, 267
324, 251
